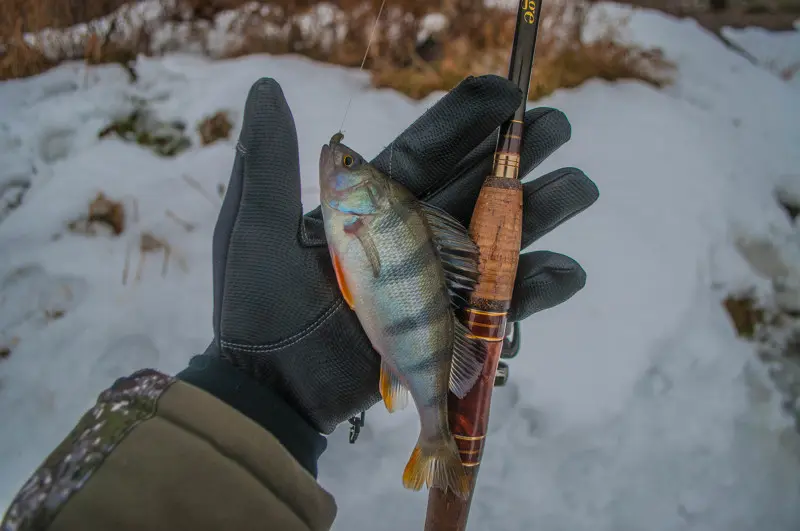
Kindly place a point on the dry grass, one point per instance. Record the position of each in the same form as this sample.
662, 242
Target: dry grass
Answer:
775, 335
477, 42
563, 58
6, 349
141, 126
20, 59
105, 210
604, 59
36, 15
215, 127
95, 43
745, 313
102, 211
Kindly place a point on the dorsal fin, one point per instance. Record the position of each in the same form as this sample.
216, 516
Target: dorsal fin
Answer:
457, 251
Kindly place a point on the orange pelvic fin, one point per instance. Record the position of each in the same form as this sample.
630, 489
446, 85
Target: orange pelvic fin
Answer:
343, 288
394, 394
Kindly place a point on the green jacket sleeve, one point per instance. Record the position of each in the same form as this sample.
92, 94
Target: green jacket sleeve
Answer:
158, 453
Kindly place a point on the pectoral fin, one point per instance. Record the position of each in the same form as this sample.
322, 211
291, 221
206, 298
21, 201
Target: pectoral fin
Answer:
457, 251
394, 394
359, 229
469, 357
343, 288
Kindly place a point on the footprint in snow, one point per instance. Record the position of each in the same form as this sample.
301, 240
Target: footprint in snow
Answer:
55, 144
31, 298
9, 142
654, 383
58, 88
125, 355
12, 192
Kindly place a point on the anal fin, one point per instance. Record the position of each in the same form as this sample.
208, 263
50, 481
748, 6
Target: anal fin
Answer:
394, 394
469, 357
343, 288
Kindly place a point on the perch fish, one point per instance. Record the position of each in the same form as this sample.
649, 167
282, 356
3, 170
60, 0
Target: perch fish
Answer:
404, 267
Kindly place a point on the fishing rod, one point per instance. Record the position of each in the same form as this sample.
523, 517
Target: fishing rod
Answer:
496, 227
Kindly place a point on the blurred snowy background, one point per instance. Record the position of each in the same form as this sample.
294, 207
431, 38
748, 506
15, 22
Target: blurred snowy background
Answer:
665, 396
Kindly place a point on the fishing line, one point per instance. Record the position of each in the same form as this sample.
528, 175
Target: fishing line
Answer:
357, 422
364, 59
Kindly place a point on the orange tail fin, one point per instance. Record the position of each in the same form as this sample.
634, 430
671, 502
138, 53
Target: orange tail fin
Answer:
436, 466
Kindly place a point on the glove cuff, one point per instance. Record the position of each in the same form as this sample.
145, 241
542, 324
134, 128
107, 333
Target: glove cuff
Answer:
258, 402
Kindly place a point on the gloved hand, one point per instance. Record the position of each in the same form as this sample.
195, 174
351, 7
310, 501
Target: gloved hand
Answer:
278, 313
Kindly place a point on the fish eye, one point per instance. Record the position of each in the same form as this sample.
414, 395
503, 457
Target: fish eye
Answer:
347, 161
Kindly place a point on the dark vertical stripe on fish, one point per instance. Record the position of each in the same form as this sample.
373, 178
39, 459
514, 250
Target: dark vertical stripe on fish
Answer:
419, 364
433, 312
444, 353
417, 261
437, 397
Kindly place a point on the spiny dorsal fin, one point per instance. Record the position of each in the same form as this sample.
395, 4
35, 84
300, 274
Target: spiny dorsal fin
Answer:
393, 392
469, 356
457, 251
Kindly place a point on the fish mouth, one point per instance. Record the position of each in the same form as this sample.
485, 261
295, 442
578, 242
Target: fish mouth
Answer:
326, 165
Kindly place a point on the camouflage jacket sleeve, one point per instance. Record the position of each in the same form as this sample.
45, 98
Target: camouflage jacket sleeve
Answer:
157, 453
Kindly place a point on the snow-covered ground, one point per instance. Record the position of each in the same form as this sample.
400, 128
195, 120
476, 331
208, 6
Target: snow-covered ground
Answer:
780, 52
633, 406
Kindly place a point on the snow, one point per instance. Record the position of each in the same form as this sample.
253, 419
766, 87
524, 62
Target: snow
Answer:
632, 406
778, 52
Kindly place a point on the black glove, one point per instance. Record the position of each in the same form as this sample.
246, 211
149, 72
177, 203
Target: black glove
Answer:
278, 314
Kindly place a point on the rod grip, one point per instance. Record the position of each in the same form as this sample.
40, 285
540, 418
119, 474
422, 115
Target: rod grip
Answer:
496, 227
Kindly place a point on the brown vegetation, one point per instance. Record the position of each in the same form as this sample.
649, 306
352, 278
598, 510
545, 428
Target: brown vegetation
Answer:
20, 59
773, 15
215, 127
563, 58
5, 350
141, 126
476, 40
775, 334
102, 211
745, 313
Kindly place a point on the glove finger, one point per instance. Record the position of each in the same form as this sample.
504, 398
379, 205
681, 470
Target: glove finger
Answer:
545, 130
544, 279
270, 206
430, 148
220, 242
552, 199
